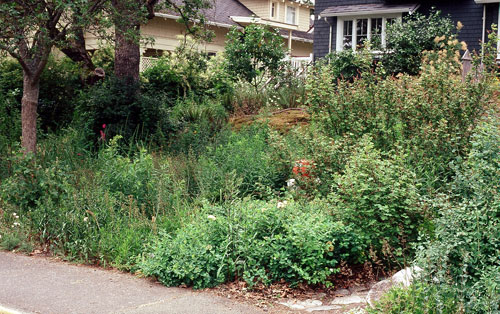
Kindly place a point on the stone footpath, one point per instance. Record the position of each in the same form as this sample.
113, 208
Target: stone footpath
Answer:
354, 299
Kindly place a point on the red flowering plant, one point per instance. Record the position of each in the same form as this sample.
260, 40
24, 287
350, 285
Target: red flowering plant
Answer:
103, 134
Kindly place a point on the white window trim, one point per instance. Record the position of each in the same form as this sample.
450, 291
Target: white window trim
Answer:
277, 13
296, 22
340, 28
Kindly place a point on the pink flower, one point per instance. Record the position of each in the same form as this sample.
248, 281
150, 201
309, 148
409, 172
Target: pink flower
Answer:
104, 126
103, 136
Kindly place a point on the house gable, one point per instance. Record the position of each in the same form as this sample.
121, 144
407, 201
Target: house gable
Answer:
466, 11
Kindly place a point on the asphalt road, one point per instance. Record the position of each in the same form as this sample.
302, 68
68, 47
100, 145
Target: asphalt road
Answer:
43, 285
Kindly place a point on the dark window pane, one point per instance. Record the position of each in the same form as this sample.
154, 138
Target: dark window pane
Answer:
348, 31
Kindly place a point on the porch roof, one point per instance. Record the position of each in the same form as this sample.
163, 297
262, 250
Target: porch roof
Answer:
368, 9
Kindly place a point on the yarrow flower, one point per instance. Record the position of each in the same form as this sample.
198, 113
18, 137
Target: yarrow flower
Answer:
211, 217
282, 204
85, 219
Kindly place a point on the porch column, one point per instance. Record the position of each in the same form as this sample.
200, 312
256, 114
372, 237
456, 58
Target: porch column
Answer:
498, 35
290, 41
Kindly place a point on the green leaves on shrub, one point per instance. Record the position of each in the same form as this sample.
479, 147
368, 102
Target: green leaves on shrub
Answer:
256, 241
248, 156
406, 41
379, 197
254, 53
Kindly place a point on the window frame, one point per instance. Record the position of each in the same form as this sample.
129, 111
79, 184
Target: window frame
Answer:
296, 16
355, 18
276, 10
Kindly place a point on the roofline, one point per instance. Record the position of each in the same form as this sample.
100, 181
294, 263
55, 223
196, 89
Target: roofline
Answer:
372, 12
176, 17
486, 1
258, 20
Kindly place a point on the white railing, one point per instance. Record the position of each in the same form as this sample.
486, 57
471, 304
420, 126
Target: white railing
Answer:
300, 62
146, 63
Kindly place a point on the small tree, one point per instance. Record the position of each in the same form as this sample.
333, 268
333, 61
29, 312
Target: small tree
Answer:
29, 29
254, 53
406, 41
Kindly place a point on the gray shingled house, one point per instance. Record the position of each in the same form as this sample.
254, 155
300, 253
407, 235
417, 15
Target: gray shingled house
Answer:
342, 24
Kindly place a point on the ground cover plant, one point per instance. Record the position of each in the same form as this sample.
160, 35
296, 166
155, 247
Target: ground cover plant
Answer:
154, 178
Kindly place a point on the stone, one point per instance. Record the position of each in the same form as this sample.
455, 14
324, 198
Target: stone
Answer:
402, 278
302, 305
378, 290
341, 293
360, 288
323, 308
406, 276
353, 299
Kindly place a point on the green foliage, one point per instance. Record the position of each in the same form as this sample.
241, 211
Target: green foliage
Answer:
258, 241
198, 122
247, 156
187, 72
344, 65
407, 41
254, 54
117, 105
379, 197
59, 83
431, 116
417, 299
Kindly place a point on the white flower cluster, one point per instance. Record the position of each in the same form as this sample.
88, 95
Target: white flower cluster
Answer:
16, 223
282, 204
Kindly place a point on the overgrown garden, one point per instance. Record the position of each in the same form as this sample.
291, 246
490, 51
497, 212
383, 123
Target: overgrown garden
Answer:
398, 165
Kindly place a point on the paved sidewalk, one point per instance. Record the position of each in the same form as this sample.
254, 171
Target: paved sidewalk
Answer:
42, 285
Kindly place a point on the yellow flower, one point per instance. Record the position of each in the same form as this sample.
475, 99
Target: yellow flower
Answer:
459, 25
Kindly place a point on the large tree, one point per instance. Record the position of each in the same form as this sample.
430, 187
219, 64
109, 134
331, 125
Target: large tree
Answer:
29, 30
128, 15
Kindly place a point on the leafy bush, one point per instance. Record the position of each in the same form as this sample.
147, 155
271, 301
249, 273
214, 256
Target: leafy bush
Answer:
245, 154
253, 240
344, 65
379, 198
187, 72
197, 122
432, 116
254, 53
59, 83
407, 41
117, 105
463, 255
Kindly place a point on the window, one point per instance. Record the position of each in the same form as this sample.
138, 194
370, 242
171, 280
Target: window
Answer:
291, 15
274, 9
361, 32
347, 41
376, 33
353, 33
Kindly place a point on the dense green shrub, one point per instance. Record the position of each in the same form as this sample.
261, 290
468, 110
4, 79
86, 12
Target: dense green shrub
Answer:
432, 115
59, 83
116, 107
188, 71
246, 156
379, 197
198, 122
344, 65
254, 54
460, 262
253, 240
407, 41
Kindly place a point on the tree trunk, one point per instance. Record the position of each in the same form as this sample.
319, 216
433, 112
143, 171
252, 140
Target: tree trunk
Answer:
31, 89
127, 55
